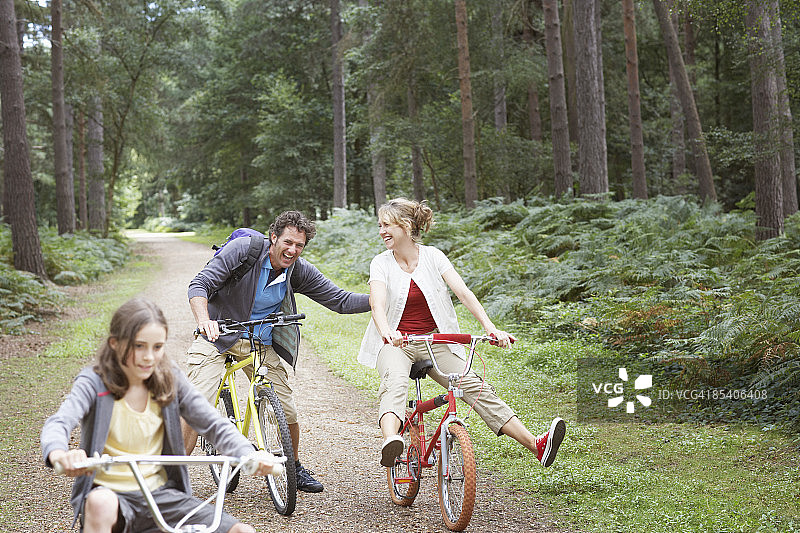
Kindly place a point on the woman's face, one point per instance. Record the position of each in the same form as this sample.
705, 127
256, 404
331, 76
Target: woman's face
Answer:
146, 352
392, 234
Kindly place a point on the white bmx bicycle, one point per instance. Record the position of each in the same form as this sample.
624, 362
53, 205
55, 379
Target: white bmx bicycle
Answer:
247, 465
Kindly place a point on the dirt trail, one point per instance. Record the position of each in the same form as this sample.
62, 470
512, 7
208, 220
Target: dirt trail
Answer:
339, 442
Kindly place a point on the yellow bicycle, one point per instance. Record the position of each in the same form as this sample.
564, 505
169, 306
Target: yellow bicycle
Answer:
270, 432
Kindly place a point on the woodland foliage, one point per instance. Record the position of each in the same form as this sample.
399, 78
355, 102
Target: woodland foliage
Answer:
69, 260
665, 279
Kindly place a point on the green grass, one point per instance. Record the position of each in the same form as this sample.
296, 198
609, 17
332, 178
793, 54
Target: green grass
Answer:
31, 388
608, 477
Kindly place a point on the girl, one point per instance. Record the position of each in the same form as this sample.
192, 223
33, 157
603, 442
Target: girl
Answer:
408, 295
131, 402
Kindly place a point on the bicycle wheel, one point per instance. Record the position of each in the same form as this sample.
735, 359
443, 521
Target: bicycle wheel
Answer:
225, 406
457, 484
404, 476
278, 441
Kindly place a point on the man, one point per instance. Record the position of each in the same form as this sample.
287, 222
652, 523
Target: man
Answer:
266, 288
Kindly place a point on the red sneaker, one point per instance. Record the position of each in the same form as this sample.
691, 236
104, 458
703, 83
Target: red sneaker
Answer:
547, 443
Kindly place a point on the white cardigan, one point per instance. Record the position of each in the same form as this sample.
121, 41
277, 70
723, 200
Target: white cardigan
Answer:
428, 277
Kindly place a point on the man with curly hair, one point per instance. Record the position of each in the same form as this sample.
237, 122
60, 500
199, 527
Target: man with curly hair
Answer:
217, 293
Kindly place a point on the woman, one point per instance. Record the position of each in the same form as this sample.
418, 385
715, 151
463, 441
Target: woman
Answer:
408, 295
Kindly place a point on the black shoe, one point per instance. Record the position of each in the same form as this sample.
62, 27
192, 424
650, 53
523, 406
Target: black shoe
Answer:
305, 482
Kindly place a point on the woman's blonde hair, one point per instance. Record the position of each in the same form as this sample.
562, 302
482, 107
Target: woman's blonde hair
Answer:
126, 323
414, 217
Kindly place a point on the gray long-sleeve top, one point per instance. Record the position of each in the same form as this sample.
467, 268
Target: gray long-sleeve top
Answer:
90, 404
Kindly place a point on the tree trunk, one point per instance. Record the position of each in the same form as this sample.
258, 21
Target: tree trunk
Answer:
81, 154
534, 115
467, 122
634, 101
339, 128
676, 114
697, 142
69, 123
499, 82
788, 170
764, 97
558, 101
568, 67
96, 198
417, 182
18, 180
65, 194
377, 155
592, 152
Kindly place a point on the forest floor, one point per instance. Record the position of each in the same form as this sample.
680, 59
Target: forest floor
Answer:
339, 441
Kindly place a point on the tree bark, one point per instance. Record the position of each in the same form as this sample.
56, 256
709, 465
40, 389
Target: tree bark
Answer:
764, 97
18, 180
534, 115
592, 151
788, 170
634, 101
96, 197
562, 165
697, 143
377, 155
83, 216
569, 62
417, 182
467, 121
65, 193
339, 127
499, 82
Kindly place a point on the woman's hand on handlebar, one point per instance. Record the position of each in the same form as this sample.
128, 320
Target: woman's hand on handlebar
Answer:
209, 328
395, 338
503, 338
63, 461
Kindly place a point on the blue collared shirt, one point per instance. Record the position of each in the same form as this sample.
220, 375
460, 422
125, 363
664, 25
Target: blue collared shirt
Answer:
269, 295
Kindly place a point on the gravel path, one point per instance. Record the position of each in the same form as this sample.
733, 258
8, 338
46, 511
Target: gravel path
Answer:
339, 442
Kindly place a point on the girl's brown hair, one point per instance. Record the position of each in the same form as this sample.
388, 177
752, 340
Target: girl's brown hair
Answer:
131, 317
414, 217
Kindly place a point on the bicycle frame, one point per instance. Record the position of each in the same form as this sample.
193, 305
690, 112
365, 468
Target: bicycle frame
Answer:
229, 383
133, 462
427, 457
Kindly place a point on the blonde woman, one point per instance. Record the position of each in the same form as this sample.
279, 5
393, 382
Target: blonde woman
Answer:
409, 295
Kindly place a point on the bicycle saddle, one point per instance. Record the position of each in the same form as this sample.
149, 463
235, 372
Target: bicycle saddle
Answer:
420, 369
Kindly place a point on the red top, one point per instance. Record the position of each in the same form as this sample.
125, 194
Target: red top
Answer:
417, 318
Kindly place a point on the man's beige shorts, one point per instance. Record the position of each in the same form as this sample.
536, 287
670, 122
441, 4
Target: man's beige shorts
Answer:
206, 366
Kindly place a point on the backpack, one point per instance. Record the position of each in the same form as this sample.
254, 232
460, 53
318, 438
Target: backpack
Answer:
257, 241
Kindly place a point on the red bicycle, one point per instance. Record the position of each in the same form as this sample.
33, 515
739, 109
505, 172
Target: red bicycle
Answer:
450, 446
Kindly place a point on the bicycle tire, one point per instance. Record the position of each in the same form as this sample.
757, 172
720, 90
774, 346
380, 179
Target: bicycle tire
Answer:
403, 494
457, 485
278, 441
225, 406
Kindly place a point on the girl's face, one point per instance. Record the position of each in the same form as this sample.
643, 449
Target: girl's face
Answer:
146, 350
392, 234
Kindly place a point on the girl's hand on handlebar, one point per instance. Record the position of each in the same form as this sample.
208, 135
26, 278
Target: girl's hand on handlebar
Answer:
63, 461
263, 463
209, 328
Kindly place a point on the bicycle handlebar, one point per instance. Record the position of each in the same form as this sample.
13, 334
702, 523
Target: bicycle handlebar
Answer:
452, 338
228, 325
248, 462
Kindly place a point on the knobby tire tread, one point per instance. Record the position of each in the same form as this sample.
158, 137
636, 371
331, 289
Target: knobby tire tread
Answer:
460, 446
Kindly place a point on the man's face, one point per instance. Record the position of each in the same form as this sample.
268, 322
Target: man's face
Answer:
287, 247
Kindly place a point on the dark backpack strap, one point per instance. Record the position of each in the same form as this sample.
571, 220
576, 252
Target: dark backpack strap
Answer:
253, 253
